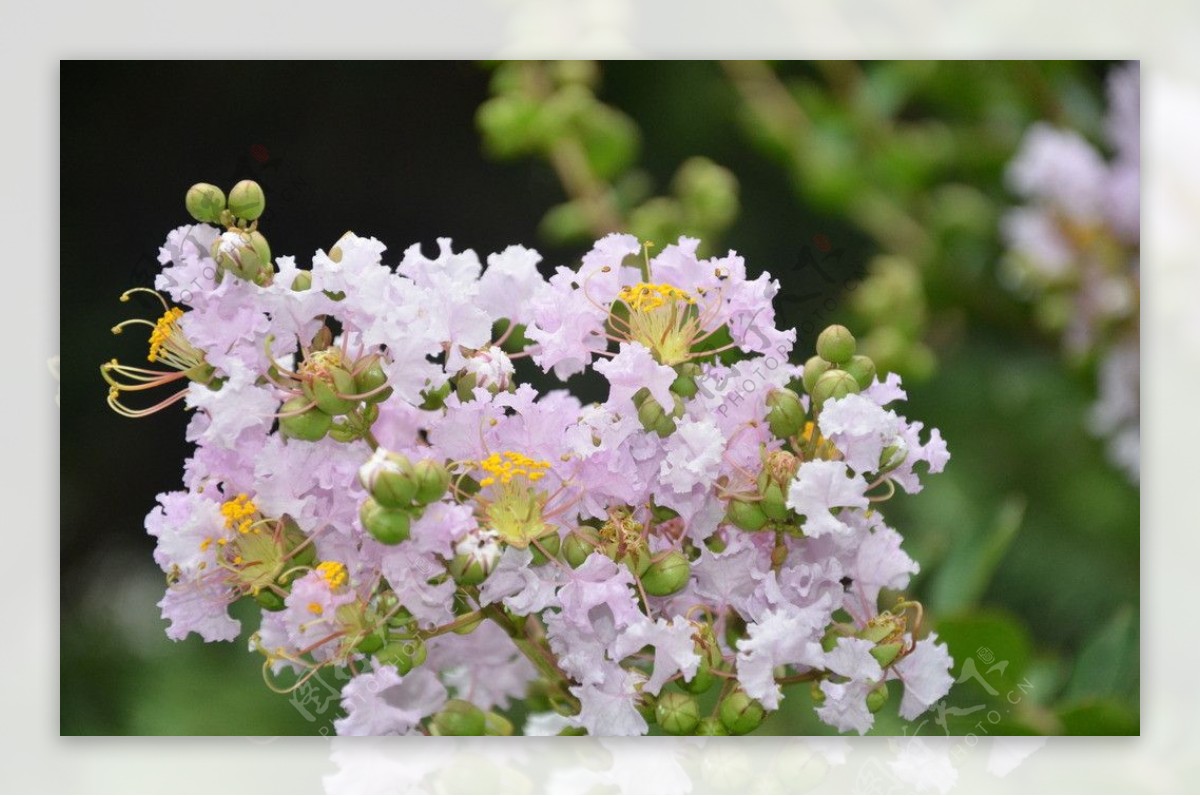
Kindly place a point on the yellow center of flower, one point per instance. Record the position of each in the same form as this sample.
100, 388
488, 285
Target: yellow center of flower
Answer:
164, 329
315, 608
334, 573
661, 317
644, 297
514, 507
239, 513
504, 467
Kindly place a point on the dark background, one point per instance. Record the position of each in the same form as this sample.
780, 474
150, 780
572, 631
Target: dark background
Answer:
391, 150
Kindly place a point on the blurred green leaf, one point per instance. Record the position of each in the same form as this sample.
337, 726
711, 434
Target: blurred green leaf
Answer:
964, 577
1108, 664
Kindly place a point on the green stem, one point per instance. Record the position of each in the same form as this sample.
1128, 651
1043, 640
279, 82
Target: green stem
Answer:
535, 653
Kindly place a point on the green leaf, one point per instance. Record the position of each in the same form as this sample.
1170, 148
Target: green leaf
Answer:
1100, 718
964, 576
1108, 665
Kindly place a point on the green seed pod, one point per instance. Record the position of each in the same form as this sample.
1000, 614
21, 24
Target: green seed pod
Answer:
836, 344
740, 714
665, 426
667, 575
650, 412
310, 426
785, 413
205, 202
576, 548
475, 556
862, 369
269, 600
327, 389
685, 383
814, 368
705, 679
886, 654
302, 281
433, 479
458, 717
640, 397
261, 248
372, 377
551, 542
774, 502
247, 200
389, 526
710, 726
893, 455
405, 654
746, 515
390, 478
372, 642
495, 724
677, 714
834, 384
877, 698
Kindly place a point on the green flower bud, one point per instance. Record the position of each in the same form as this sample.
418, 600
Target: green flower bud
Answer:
814, 368
372, 377
302, 281
390, 478
311, 425
389, 526
836, 344
710, 726
862, 369
433, 479
269, 599
458, 717
834, 384
495, 724
572, 731
665, 426
551, 542
877, 697
205, 202
326, 389
576, 548
710, 659
372, 642
654, 417
475, 556
685, 383
740, 714
405, 654
886, 654
667, 575
774, 502
677, 714
746, 515
893, 455
261, 248
247, 200
785, 413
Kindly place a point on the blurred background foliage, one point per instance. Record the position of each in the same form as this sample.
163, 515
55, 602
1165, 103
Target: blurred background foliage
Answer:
872, 191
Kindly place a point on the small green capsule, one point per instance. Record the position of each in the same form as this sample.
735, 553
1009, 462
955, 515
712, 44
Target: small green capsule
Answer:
877, 698
576, 548
247, 200
433, 479
834, 384
458, 717
814, 368
495, 724
862, 369
710, 726
310, 425
740, 714
774, 502
676, 713
685, 383
389, 526
328, 389
667, 575
205, 202
391, 480
405, 654
746, 515
650, 413
836, 344
551, 542
372, 377
886, 654
785, 413
302, 281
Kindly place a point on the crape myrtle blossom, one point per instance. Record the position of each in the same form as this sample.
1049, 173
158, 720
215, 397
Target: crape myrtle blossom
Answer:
1075, 251
407, 514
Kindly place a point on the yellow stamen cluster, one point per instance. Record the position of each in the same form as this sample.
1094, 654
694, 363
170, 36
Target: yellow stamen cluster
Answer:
644, 297
315, 609
164, 329
334, 573
504, 467
239, 513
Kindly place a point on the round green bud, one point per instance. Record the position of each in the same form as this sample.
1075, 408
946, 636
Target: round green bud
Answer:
877, 698
433, 479
389, 526
667, 575
814, 368
405, 654
328, 388
893, 455
862, 368
746, 515
886, 654
704, 678
785, 413
836, 344
458, 717
205, 202
369, 378
650, 412
638, 560
576, 548
774, 502
372, 642
302, 281
468, 570
495, 724
676, 713
390, 479
261, 248
247, 200
740, 714
309, 425
834, 384
550, 542
665, 426
685, 384
269, 599
710, 726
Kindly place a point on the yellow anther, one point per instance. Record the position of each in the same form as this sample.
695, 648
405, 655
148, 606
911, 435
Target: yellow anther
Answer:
334, 573
509, 465
644, 297
315, 608
164, 329
239, 513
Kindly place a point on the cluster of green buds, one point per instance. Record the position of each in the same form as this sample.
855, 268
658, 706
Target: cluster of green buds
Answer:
886, 631
626, 541
654, 416
331, 393
460, 717
766, 507
836, 371
241, 250
399, 492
